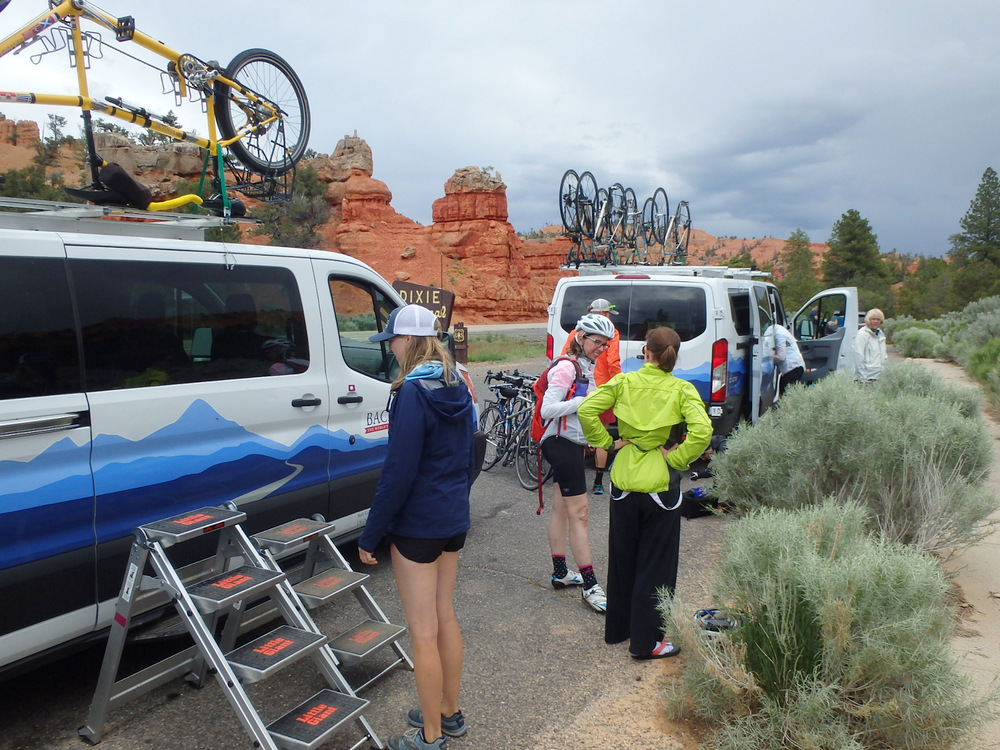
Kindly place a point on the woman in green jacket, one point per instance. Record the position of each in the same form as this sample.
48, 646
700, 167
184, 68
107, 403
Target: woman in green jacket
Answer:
644, 536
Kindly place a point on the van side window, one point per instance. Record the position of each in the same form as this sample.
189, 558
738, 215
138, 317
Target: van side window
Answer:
38, 345
362, 310
152, 323
825, 318
739, 304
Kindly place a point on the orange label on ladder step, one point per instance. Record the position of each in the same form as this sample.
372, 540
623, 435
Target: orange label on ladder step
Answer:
274, 646
364, 636
233, 581
317, 714
328, 582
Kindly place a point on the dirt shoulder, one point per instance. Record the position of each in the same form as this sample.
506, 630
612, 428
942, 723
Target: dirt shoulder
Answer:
977, 641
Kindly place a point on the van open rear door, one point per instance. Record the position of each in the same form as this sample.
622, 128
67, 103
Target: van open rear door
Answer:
825, 328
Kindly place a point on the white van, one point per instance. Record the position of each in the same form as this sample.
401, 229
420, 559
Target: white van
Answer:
723, 317
140, 378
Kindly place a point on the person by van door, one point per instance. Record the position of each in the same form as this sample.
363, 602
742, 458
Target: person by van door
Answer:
608, 365
869, 347
422, 506
563, 446
645, 520
791, 365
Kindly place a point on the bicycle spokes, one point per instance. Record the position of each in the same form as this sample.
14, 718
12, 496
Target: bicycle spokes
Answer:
608, 227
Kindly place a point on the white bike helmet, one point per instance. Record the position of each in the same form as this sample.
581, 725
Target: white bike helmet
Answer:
596, 324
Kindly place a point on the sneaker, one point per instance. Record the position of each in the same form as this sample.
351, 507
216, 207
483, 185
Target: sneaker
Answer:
413, 739
596, 598
572, 578
661, 650
598, 488
453, 726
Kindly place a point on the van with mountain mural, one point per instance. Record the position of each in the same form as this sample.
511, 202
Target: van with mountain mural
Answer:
725, 319
141, 377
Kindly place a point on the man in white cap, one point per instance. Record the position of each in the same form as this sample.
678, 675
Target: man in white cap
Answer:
607, 366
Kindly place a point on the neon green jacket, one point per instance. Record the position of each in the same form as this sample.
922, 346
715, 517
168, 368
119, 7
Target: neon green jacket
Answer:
647, 403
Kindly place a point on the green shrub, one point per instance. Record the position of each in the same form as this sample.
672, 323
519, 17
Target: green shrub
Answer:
911, 378
917, 342
915, 455
907, 324
984, 360
891, 325
844, 640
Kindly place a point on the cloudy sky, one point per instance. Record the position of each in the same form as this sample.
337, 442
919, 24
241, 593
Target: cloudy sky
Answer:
766, 116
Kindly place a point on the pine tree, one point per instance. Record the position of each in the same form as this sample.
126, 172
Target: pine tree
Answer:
975, 252
853, 252
799, 282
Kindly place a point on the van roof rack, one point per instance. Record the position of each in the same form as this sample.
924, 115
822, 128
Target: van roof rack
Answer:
85, 218
634, 270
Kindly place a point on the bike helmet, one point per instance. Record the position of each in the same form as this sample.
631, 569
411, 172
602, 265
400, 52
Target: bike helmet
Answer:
283, 344
596, 324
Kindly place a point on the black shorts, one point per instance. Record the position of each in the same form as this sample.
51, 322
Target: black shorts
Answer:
426, 550
569, 469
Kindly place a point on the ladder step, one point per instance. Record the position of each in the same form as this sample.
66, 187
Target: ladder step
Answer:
232, 586
321, 588
361, 640
311, 723
264, 656
299, 531
192, 524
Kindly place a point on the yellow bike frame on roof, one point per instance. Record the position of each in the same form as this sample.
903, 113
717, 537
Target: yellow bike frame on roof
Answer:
71, 12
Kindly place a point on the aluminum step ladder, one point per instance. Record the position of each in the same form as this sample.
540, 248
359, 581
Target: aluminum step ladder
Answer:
324, 576
240, 574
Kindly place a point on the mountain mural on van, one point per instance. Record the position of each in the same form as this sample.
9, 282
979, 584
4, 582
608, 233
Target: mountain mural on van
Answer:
167, 476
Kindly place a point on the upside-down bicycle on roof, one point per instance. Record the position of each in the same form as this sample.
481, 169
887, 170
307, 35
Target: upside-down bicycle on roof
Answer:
256, 107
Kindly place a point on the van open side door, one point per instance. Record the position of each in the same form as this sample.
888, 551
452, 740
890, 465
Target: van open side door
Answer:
825, 328
763, 369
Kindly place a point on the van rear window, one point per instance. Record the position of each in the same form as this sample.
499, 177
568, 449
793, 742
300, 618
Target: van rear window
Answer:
683, 308
641, 307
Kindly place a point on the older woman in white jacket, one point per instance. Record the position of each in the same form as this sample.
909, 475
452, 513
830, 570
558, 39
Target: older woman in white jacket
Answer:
869, 348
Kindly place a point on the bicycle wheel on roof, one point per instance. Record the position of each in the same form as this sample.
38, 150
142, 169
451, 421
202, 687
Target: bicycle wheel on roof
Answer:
648, 215
586, 204
682, 227
632, 216
569, 187
662, 217
276, 147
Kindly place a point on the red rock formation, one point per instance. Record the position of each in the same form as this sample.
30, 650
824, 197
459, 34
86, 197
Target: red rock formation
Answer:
470, 249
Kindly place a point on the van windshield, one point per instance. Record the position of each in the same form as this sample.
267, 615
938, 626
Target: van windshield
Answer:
641, 307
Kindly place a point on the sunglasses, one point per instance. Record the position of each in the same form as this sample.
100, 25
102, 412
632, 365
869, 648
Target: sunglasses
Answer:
595, 342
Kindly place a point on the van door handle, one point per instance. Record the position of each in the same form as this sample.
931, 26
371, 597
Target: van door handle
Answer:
357, 398
299, 402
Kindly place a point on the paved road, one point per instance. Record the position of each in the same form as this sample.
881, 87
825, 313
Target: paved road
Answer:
535, 658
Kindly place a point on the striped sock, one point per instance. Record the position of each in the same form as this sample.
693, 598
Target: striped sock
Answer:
589, 579
559, 566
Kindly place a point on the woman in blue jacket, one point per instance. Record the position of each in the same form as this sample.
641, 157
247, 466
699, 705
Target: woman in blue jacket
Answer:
421, 507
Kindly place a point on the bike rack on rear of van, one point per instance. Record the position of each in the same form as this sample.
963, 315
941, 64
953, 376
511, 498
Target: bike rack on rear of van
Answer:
645, 272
